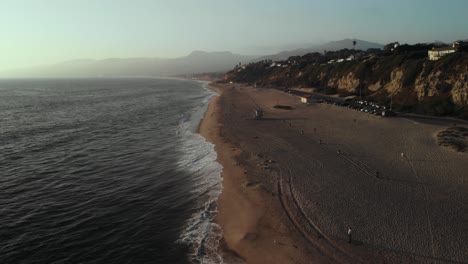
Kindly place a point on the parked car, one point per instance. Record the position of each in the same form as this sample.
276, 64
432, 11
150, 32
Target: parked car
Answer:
388, 113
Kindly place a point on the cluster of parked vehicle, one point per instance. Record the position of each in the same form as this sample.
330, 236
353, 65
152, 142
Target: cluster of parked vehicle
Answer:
363, 106
358, 105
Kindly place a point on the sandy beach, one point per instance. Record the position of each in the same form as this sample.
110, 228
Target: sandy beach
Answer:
295, 181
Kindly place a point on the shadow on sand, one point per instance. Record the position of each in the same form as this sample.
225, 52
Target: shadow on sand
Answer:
277, 119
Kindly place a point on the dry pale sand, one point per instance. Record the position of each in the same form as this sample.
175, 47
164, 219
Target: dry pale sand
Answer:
289, 197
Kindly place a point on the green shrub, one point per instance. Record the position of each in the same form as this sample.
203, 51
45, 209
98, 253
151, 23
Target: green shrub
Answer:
411, 70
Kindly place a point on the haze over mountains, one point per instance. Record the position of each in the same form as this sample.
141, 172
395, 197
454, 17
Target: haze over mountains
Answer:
330, 46
196, 62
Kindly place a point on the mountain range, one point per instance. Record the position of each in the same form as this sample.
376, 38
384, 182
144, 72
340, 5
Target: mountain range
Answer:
194, 63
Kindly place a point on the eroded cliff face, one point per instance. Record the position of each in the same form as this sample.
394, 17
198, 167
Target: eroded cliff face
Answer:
459, 93
348, 82
427, 85
402, 77
395, 84
438, 83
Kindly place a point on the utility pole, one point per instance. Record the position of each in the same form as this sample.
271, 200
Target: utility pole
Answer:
391, 102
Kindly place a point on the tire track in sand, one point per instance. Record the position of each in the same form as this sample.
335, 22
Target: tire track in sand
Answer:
426, 198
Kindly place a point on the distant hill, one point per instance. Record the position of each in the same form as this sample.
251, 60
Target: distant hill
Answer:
195, 62
330, 46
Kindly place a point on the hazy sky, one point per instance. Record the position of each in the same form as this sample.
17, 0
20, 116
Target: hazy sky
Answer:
47, 31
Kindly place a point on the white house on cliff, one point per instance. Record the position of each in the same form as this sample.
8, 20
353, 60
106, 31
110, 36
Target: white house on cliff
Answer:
437, 53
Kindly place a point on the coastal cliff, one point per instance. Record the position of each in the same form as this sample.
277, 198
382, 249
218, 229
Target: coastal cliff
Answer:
412, 81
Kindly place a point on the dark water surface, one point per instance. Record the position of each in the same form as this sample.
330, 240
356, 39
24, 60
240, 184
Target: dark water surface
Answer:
105, 171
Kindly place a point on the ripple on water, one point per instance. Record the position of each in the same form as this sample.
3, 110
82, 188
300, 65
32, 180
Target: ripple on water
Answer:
93, 172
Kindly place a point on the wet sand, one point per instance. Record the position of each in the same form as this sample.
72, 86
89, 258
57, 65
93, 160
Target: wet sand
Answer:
289, 197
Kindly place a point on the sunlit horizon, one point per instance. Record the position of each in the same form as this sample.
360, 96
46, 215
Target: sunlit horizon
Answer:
40, 33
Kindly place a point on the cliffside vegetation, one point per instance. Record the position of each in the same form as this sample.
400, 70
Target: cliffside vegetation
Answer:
404, 76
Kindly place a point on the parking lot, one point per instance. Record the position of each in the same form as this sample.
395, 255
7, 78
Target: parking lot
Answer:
356, 104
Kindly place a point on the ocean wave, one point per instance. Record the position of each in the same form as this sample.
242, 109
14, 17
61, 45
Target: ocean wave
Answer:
201, 233
106, 179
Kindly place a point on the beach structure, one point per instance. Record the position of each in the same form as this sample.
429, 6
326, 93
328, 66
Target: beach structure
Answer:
349, 235
258, 113
306, 99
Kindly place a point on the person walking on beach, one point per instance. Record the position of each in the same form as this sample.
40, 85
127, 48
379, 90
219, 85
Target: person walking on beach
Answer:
349, 234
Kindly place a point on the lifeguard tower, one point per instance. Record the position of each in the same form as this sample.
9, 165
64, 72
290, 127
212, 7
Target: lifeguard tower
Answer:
258, 113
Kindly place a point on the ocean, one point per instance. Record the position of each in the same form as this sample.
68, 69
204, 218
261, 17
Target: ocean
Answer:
106, 171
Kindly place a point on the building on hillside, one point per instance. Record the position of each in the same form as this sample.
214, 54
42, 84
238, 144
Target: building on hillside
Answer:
459, 44
437, 53
391, 46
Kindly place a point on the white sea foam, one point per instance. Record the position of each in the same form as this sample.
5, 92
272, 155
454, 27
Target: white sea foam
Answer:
201, 233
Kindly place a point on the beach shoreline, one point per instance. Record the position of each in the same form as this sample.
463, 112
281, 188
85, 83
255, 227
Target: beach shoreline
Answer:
255, 228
